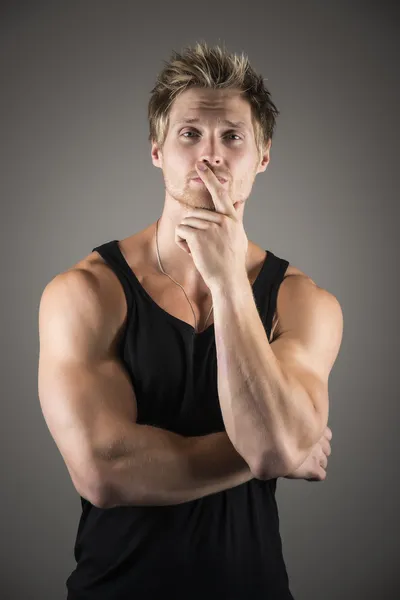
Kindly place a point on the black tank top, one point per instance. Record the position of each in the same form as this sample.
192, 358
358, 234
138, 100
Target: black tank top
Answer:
225, 545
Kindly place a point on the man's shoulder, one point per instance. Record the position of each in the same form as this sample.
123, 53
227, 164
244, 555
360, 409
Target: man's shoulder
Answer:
297, 286
291, 269
93, 274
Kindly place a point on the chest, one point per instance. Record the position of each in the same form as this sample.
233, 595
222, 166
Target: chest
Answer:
174, 373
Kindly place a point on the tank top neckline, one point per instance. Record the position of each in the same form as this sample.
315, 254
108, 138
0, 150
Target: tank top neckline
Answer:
181, 322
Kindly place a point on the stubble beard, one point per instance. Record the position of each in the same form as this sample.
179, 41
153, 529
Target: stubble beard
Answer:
189, 198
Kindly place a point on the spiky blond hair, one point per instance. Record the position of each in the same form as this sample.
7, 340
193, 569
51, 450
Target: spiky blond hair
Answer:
212, 68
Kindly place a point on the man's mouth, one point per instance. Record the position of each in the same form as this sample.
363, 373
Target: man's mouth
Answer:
198, 180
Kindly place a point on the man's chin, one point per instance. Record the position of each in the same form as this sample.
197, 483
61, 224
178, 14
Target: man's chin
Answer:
201, 205
210, 208
196, 201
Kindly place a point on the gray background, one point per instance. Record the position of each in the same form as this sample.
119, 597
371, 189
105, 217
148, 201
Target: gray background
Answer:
76, 172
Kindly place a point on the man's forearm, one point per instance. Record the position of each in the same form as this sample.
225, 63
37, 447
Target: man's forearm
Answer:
159, 467
260, 415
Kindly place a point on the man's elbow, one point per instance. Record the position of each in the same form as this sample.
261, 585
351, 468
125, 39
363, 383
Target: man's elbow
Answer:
282, 460
271, 465
94, 490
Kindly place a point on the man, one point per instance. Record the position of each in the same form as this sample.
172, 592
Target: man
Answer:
184, 369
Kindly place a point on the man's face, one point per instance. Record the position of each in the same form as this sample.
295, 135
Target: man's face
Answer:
229, 149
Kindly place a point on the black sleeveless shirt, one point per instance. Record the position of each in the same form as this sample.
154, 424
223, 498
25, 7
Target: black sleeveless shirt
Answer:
225, 545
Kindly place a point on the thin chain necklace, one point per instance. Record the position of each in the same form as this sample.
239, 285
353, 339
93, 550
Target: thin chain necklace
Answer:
162, 270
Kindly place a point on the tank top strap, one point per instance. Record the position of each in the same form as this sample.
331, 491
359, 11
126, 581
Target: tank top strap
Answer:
112, 255
266, 287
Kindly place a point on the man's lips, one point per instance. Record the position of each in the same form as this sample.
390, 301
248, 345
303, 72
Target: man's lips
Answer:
220, 179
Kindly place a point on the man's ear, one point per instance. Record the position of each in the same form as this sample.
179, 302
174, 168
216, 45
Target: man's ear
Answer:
265, 157
156, 155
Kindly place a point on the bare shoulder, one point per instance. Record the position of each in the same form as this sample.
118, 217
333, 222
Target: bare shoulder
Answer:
101, 275
97, 283
95, 264
298, 287
292, 270
296, 282
90, 293
299, 295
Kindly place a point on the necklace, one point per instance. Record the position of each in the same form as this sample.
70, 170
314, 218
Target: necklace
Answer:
162, 270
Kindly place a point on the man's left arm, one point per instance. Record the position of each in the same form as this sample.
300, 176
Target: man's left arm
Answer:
274, 397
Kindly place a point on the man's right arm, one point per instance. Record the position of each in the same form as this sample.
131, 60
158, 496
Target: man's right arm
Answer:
89, 406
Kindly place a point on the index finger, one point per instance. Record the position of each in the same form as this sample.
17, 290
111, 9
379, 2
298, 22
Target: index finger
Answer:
219, 194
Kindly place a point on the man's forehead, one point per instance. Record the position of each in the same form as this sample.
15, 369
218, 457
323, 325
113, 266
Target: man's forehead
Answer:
200, 106
189, 120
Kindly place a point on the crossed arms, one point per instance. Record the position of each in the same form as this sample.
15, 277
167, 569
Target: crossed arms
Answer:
89, 405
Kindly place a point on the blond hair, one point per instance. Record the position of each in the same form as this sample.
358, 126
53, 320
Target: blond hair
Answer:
212, 68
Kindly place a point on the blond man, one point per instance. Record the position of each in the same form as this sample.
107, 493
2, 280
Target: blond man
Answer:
184, 368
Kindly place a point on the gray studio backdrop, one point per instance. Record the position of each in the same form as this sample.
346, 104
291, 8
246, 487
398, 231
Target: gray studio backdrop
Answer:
76, 172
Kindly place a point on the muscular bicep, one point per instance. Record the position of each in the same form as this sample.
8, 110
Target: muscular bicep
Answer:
86, 395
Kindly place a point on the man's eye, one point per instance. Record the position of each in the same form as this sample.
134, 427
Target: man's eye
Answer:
228, 134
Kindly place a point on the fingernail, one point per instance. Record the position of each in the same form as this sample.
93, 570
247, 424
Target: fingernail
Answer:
202, 166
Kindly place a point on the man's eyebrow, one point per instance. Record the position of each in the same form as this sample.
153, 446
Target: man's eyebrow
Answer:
233, 124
